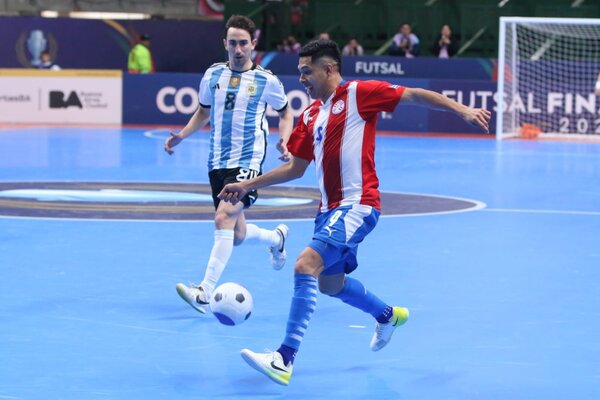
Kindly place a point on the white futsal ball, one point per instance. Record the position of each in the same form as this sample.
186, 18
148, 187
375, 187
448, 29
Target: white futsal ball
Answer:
231, 303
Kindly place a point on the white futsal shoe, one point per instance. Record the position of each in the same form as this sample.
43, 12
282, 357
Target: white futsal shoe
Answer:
278, 253
195, 296
271, 364
383, 332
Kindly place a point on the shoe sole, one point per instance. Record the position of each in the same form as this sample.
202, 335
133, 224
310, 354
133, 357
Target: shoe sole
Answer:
247, 356
181, 293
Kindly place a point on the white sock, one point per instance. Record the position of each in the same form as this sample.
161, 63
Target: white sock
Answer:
219, 255
254, 234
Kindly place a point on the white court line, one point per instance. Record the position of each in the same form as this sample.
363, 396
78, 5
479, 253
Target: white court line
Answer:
158, 134
357, 326
142, 328
534, 211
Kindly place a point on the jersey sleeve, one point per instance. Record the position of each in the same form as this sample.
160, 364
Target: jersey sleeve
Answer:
204, 95
300, 143
275, 95
376, 96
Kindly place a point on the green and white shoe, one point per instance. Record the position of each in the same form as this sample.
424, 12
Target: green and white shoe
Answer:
278, 253
195, 296
270, 364
383, 332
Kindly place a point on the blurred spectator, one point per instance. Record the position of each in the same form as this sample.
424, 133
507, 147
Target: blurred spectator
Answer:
324, 36
46, 62
353, 48
405, 43
290, 45
140, 57
446, 45
299, 7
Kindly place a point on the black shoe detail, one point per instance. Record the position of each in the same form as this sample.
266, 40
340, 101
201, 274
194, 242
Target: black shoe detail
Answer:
198, 298
282, 239
277, 368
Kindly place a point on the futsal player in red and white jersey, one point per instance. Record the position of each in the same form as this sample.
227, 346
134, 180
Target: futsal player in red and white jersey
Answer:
337, 132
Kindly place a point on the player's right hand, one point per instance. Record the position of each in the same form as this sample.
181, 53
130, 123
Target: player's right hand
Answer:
232, 193
171, 142
479, 117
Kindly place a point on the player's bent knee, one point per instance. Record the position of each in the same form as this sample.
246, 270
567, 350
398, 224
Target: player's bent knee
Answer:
303, 267
221, 220
331, 284
309, 262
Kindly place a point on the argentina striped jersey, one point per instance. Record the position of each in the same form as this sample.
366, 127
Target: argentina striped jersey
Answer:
238, 102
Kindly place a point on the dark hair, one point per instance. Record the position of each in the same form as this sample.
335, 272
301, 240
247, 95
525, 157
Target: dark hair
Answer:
322, 48
240, 22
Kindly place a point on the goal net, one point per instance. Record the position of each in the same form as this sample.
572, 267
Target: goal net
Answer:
547, 74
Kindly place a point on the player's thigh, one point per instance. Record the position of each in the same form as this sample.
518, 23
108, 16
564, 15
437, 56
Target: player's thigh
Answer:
346, 226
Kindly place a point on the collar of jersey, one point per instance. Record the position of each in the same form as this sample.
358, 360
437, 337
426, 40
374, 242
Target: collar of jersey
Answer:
241, 72
341, 85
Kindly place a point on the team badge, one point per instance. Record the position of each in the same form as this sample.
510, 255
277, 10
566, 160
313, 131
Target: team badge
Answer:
252, 88
338, 107
234, 81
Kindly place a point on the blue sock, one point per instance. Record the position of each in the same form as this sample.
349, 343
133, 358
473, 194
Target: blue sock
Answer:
355, 294
385, 316
288, 354
303, 305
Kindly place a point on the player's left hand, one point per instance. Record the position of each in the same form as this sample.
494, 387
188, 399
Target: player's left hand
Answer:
173, 140
232, 193
282, 148
479, 117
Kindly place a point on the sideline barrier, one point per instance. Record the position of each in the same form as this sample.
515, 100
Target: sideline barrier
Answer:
65, 96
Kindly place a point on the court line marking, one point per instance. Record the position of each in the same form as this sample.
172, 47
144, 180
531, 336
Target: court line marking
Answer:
538, 211
478, 205
142, 328
156, 134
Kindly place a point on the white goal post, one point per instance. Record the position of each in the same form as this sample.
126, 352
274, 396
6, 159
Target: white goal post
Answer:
548, 77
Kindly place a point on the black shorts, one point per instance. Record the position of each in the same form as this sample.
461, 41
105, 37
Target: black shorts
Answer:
220, 177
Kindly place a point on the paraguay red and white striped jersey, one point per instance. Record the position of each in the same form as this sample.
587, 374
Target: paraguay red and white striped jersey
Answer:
339, 135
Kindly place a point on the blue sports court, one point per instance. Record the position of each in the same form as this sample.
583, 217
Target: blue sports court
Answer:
503, 295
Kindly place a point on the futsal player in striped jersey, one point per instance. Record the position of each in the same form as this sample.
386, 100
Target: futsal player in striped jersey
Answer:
337, 132
233, 97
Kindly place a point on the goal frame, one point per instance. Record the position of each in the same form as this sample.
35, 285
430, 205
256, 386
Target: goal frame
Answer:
504, 22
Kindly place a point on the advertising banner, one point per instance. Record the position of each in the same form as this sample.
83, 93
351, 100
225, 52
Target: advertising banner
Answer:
66, 96
171, 99
387, 67
165, 99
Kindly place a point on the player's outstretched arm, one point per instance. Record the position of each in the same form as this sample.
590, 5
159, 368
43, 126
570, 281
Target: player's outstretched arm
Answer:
294, 169
197, 121
286, 123
479, 117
